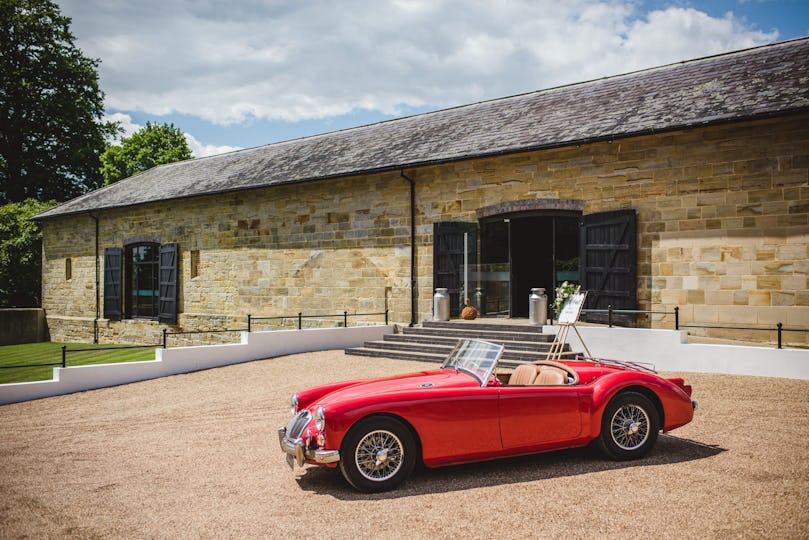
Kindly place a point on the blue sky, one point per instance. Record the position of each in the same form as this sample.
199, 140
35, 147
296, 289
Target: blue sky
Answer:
241, 73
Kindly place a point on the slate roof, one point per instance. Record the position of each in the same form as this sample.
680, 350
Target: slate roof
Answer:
759, 82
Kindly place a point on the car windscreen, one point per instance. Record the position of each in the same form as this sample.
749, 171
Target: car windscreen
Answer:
475, 357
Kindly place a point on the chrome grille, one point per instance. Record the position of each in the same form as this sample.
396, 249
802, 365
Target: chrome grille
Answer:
298, 424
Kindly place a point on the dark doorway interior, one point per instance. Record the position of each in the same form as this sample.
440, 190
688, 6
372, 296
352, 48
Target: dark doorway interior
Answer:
541, 251
531, 259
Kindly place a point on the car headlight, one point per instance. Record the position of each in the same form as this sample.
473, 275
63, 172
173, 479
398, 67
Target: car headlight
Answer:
320, 418
294, 403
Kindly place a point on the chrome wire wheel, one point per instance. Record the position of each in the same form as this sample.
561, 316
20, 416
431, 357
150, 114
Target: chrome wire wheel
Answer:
630, 427
379, 455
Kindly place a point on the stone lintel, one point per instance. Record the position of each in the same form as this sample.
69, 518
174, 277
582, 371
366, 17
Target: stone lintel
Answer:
511, 208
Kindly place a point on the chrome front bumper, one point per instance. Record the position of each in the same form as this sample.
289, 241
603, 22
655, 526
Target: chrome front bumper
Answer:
296, 451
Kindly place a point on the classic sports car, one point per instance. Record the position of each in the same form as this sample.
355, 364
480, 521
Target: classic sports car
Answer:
376, 431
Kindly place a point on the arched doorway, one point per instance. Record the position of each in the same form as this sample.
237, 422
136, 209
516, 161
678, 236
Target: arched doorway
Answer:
526, 249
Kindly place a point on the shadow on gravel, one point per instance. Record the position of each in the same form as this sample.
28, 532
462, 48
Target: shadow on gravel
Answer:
563, 463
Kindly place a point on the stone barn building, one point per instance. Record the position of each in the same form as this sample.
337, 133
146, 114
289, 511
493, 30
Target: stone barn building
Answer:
685, 185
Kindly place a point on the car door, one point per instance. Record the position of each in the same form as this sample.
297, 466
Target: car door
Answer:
455, 425
538, 415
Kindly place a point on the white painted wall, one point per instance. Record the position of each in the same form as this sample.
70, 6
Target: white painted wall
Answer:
253, 346
669, 350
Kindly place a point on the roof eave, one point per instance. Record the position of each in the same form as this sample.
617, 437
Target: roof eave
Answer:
432, 162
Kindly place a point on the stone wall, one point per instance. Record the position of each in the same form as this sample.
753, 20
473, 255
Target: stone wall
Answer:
321, 248
723, 214
723, 220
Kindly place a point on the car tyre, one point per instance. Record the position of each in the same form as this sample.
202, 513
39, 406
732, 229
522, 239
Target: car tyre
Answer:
378, 454
629, 427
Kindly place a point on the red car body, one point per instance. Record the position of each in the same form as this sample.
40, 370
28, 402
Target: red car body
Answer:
456, 418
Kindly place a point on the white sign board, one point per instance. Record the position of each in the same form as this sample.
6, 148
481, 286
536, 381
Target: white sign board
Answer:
572, 308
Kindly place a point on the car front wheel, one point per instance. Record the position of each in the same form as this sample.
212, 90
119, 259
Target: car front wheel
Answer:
378, 454
629, 427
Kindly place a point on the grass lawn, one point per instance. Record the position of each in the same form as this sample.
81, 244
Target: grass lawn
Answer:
51, 353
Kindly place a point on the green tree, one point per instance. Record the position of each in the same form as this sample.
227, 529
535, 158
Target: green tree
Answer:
51, 108
155, 144
21, 253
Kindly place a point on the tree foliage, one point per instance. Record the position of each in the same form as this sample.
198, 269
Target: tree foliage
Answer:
155, 144
51, 108
20, 253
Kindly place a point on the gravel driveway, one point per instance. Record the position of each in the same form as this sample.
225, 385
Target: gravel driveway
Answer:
196, 456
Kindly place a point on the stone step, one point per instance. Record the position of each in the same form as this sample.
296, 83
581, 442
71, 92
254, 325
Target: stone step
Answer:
452, 340
433, 348
417, 356
509, 334
508, 353
495, 326
398, 355
434, 340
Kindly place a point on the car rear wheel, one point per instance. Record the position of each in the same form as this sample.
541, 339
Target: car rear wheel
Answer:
378, 454
629, 427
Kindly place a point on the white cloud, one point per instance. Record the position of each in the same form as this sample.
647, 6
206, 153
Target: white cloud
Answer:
197, 148
128, 127
228, 62
697, 34
203, 150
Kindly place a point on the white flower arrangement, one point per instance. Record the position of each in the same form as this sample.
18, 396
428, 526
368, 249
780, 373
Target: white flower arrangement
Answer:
563, 292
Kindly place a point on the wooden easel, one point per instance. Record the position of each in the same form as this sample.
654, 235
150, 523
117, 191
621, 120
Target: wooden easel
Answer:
567, 320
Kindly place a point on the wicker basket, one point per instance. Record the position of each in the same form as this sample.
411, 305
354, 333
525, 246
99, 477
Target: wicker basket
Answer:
468, 312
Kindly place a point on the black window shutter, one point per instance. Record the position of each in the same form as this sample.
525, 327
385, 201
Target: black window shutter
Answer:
113, 259
167, 308
609, 261
448, 255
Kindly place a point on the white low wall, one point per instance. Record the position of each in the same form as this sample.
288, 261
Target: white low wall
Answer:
253, 346
669, 350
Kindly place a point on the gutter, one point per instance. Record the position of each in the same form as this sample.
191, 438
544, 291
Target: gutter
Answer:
98, 285
413, 298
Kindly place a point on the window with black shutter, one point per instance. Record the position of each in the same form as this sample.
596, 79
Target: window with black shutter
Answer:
140, 282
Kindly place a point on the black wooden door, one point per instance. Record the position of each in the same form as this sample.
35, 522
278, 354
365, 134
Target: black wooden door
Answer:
609, 261
448, 258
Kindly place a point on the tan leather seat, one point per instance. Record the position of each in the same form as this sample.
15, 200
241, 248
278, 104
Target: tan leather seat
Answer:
569, 376
549, 375
523, 374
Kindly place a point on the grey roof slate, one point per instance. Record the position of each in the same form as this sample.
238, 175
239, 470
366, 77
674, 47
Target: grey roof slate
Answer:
764, 81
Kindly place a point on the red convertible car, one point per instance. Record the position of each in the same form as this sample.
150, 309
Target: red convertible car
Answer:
376, 431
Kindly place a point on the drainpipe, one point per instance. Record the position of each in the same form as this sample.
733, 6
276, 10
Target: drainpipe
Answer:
412, 247
95, 321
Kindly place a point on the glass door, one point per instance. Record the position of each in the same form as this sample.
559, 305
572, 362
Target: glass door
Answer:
493, 289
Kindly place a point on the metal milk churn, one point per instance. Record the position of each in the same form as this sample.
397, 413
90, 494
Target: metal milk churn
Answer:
441, 305
537, 307
480, 300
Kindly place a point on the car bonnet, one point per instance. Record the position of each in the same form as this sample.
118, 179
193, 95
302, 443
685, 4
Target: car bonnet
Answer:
416, 382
